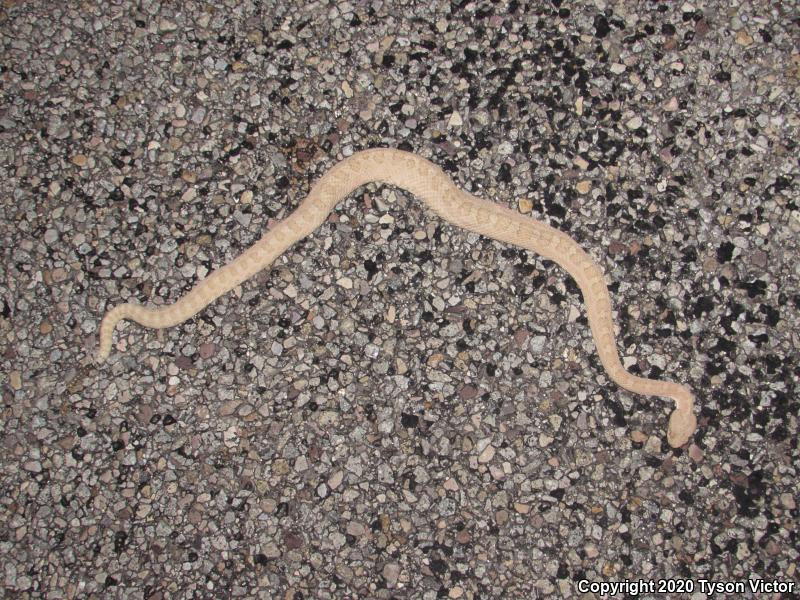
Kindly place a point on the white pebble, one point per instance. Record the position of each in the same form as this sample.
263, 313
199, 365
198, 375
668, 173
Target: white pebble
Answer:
634, 123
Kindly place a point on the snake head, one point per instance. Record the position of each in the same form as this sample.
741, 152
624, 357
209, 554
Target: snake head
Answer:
681, 427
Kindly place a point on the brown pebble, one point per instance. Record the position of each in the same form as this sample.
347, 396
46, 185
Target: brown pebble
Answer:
228, 408
668, 465
739, 479
435, 359
743, 38
773, 549
467, 392
280, 467
79, 160
616, 248
66, 443
609, 569
183, 362
759, 258
15, 378
208, 350
581, 163
293, 541
145, 414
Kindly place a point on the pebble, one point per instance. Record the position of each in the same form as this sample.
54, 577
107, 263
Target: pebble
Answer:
348, 91
653, 445
695, 453
467, 392
579, 105
356, 529
671, 105
581, 163
15, 379
455, 120
229, 408
634, 122
34, 466
545, 440
391, 573
487, 454
166, 26
743, 38
51, 236
335, 480
207, 350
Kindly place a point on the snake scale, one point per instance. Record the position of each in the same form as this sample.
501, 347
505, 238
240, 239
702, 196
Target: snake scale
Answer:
428, 182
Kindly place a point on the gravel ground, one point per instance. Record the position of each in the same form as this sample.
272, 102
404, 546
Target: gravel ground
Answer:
397, 408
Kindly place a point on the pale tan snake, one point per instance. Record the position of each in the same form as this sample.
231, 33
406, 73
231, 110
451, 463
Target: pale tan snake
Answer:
427, 181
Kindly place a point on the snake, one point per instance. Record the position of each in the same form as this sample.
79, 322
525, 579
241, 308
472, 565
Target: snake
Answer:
427, 181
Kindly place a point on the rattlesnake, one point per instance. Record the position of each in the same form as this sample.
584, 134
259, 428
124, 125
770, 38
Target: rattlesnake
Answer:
427, 181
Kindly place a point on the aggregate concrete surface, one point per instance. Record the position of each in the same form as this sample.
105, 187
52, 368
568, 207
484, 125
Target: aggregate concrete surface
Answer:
397, 408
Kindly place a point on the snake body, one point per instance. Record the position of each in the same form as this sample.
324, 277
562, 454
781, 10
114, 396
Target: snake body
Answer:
428, 182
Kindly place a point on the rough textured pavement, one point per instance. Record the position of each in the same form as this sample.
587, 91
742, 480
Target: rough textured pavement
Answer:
396, 409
